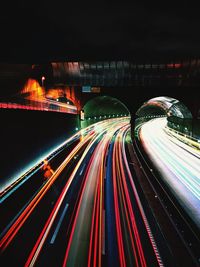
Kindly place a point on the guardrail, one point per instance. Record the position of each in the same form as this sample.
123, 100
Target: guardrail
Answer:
184, 137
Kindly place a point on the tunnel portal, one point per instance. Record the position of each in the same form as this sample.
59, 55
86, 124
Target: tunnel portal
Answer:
101, 108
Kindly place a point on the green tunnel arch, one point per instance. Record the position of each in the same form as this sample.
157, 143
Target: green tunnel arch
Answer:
101, 108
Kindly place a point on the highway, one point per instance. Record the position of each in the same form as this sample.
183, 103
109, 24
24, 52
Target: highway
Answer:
79, 207
177, 163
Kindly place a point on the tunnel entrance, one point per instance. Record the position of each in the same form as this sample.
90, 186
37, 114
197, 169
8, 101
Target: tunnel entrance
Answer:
163, 106
101, 108
179, 117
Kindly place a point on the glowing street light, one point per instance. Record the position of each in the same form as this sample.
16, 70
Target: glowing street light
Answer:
43, 78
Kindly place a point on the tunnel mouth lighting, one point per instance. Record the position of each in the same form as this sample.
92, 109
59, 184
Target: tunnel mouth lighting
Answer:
102, 108
163, 106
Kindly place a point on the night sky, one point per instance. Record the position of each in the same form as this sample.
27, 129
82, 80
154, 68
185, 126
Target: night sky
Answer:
71, 30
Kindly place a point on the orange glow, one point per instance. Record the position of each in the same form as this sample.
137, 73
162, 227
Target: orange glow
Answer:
54, 93
60, 92
33, 90
47, 170
68, 92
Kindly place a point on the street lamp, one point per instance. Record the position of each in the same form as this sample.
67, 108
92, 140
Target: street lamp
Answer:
43, 78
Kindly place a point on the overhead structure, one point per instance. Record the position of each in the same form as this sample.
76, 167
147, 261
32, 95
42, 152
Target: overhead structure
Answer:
164, 106
122, 73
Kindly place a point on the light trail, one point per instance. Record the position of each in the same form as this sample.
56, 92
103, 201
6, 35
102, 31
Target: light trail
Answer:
37, 248
92, 192
15, 183
178, 164
99, 179
4, 242
40, 104
129, 215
